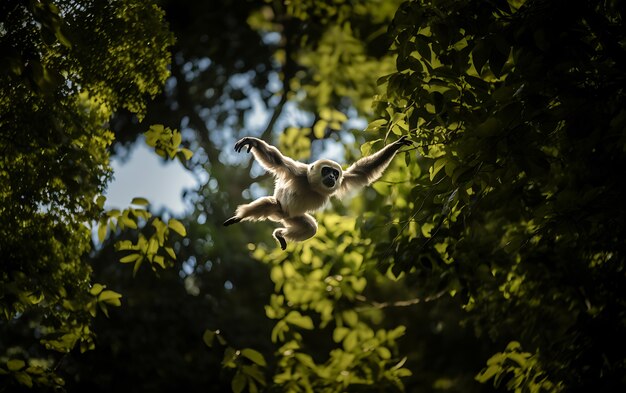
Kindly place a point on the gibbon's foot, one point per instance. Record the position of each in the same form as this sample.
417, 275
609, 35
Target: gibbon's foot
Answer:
281, 240
231, 221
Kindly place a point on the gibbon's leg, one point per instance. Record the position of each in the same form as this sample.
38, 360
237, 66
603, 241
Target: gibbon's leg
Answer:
262, 209
296, 229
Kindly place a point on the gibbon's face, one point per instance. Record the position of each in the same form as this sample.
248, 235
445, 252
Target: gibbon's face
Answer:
325, 176
330, 176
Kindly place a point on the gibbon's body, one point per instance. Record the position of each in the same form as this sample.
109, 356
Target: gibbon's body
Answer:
301, 188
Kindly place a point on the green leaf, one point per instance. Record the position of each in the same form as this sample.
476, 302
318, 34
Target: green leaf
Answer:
366, 148
62, 39
376, 124
519, 358
177, 226
480, 54
254, 373
399, 365
153, 246
303, 321
159, 260
487, 373
140, 201
350, 317
24, 379
496, 62
128, 222
513, 346
319, 129
208, 337
383, 352
110, 297
239, 382
422, 47
102, 230
96, 289
437, 166
404, 372
15, 364
351, 341
340, 333
130, 258
100, 201
489, 127
124, 245
170, 252
187, 154
137, 264
176, 139
254, 356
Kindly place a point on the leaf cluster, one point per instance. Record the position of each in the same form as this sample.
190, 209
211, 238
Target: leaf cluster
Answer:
518, 120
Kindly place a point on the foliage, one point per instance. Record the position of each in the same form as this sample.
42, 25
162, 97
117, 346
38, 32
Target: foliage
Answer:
518, 117
155, 248
525, 367
67, 66
500, 229
248, 363
315, 288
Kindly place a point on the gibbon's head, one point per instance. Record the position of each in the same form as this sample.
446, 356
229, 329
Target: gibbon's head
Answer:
325, 176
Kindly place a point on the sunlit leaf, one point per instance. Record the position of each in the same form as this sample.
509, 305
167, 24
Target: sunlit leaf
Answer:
177, 226
350, 317
159, 260
351, 341
130, 258
488, 373
297, 319
140, 201
176, 139
102, 230
96, 289
15, 364
383, 352
319, 129
137, 265
187, 154
110, 297
100, 200
170, 252
254, 356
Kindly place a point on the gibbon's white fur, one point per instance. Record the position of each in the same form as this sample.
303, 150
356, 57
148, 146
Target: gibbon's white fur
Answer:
301, 188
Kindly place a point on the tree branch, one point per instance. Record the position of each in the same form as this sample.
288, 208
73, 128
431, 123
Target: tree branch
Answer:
399, 303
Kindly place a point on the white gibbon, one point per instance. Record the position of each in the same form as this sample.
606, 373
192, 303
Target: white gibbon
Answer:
301, 188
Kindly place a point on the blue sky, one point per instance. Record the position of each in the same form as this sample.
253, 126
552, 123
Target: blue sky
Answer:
144, 174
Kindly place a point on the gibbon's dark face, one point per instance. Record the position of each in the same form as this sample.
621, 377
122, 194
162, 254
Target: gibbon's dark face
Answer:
329, 176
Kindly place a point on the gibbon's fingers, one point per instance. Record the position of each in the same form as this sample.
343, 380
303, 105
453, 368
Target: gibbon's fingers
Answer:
404, 141
231, 221
242, 143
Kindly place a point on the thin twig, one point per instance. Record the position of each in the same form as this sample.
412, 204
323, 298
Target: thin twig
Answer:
400, 303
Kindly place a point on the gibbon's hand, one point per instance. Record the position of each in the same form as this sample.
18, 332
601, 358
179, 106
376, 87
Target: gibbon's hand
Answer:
250, 142
403, 141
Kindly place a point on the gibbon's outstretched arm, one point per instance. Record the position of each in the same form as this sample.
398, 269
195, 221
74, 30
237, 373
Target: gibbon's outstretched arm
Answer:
270, 158
369, 169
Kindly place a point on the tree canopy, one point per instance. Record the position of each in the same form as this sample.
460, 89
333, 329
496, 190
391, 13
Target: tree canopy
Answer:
488, 258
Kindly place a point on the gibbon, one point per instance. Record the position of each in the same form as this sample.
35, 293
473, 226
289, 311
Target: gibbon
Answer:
301, 188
